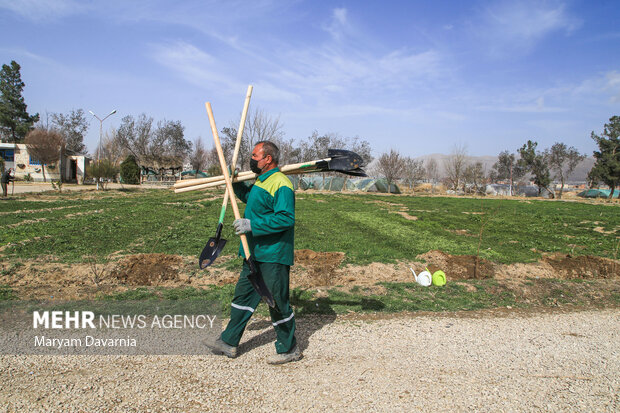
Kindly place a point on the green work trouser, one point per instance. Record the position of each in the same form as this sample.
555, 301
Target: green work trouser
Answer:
246, 300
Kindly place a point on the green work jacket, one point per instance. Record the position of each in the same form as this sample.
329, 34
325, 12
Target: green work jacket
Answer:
271, 211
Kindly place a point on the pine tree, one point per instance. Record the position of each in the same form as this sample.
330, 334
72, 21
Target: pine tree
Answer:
15, 122
607, 166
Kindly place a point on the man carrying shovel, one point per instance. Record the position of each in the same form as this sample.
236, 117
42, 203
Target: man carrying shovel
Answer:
268, 223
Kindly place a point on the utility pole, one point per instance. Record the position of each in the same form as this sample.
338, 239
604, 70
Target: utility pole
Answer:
100, 135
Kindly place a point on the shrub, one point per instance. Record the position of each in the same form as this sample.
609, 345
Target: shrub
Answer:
102, 170
130, 171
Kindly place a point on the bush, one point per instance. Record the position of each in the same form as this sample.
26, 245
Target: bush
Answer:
102, 170
130, 171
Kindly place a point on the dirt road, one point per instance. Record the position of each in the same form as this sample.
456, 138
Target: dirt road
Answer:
486, 361
24, 187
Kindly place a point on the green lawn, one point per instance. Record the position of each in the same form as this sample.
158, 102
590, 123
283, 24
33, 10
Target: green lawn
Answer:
365, 227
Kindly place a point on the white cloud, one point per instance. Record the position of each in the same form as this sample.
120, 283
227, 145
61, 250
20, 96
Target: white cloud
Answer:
516, 26
38, 10
338, 25
193, 65
613, 85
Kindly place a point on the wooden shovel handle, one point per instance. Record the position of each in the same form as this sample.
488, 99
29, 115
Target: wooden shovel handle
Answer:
244, 114
220, 155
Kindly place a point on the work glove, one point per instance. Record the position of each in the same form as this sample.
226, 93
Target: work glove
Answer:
242, 226
232, 173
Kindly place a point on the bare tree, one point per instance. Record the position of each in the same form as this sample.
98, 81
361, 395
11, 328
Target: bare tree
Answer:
112, 149
229, 140
391, 166
432, 172
45, 146
474, 177
563, 161
413, 172
316, 146
134, 135
261, 126
213, 163
164, 144
198, 158
455, 166
289, 153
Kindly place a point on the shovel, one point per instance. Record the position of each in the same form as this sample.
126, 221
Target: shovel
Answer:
339, 160
255, 277
216, 244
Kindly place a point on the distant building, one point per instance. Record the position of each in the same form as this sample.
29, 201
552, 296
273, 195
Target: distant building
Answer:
16, 156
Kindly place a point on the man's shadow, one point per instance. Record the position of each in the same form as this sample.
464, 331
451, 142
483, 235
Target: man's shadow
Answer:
311, 315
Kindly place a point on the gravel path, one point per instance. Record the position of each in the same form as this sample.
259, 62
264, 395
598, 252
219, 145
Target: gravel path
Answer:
481, 361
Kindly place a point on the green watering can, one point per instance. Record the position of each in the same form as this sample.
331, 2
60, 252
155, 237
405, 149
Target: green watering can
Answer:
439, 278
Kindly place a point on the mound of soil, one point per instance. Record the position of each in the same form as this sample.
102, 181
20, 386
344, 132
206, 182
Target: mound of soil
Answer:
563, 266
458, 267
585, 266
147, 269
318, 267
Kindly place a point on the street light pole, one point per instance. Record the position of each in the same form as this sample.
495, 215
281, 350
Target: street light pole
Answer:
100, 134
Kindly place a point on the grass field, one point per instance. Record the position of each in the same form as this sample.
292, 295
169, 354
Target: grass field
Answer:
367, 228
68, 228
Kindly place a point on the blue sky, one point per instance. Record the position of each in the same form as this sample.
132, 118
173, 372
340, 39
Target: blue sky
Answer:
416, 76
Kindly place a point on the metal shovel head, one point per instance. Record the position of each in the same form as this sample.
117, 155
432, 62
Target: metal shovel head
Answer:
257, 281
211, 251
355, 172
343, 160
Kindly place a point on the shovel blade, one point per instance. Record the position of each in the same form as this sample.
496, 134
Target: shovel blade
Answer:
343, 160
256, 279
211, 251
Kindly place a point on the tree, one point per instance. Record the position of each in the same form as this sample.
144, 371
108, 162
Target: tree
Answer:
391, 166
261, 126
198, 158
316, 146
607, 165
507, 168
229, 140
45, 146
563, 161
213, 163
15, 122
102, 170
289, 153
163, 145
474, 177
168, 145
455, 166
414, 171
537, 164
112, 148
432, 172
72, 127
134, 135
130, 171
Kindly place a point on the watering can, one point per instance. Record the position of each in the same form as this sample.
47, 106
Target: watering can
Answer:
439, 278
424, 278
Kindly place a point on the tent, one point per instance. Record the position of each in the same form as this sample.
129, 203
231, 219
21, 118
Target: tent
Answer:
597, 193
340, 183
191, 174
